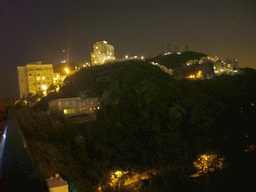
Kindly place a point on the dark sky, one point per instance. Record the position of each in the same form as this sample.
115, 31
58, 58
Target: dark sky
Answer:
38, 30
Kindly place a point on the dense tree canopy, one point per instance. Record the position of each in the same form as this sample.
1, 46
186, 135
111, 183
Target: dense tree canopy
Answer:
149, 121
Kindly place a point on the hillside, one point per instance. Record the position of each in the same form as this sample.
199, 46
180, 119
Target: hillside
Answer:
103, 80
173, 61
158, 124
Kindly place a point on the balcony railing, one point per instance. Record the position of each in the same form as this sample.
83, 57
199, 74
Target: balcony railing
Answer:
18, 171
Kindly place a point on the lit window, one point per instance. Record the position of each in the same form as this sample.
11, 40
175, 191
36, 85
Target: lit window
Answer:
69, 111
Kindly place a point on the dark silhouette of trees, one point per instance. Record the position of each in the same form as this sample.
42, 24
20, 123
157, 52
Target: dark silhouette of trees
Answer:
149, 121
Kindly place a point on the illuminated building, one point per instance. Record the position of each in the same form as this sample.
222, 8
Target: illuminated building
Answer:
73, 106
58, 78
195, 71
219, 67
102, 52
34, 77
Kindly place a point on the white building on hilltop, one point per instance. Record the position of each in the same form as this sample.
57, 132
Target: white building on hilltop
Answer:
102, 52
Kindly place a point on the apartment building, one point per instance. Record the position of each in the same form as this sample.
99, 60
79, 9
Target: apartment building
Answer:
73, 106
102, 52
34, 77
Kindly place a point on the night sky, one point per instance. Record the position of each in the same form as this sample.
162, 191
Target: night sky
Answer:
38, 30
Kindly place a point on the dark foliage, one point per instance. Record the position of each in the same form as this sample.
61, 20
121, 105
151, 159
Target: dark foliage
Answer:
150, 121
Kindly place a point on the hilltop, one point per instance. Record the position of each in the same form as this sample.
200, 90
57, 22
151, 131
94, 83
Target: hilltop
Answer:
173, 61
118, 75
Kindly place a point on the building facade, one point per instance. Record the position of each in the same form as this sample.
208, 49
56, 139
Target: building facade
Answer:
102, 52
34, 77
73, 106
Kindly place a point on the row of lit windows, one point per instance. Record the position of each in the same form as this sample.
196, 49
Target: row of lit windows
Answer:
39, 83
72, 110
39, 69
71, 103
90, 109
69, 111
42, 78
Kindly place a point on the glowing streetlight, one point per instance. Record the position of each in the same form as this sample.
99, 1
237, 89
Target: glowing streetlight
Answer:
44, 87
126, 56
66, 69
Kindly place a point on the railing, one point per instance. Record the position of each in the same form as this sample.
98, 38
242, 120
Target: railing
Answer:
18, 172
